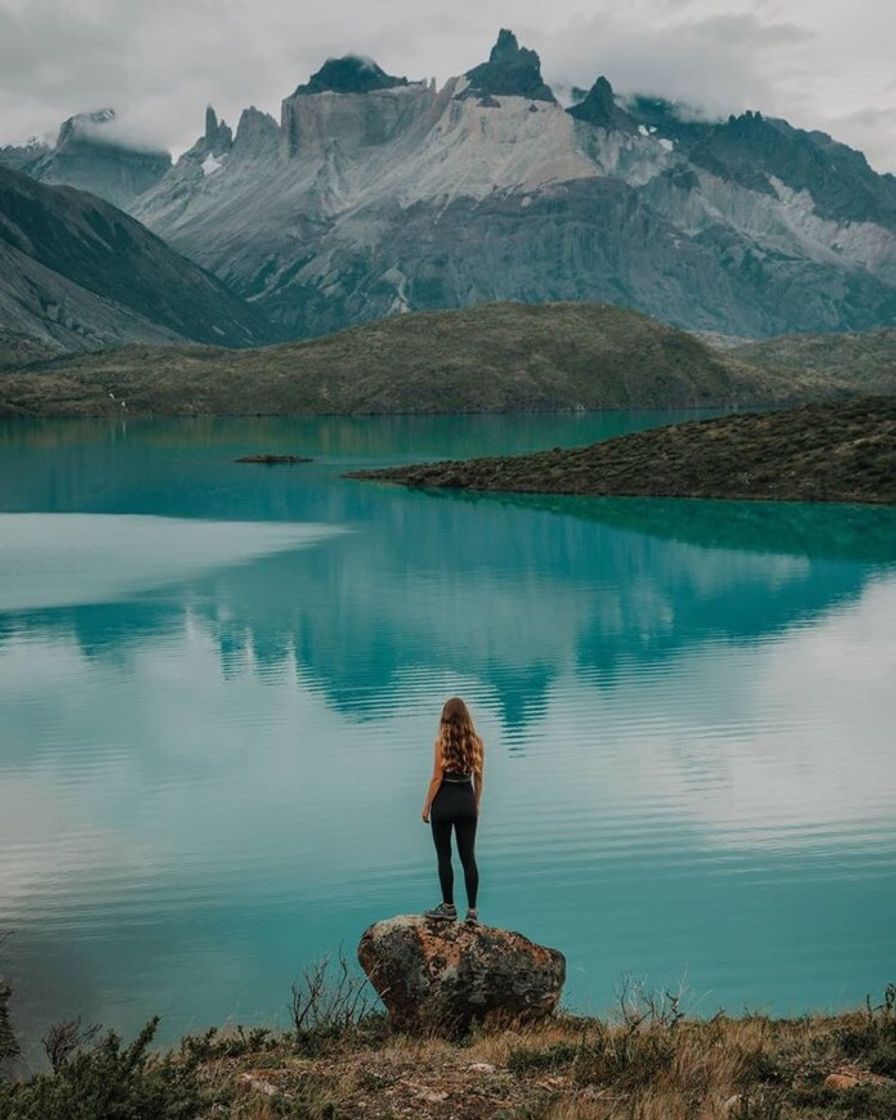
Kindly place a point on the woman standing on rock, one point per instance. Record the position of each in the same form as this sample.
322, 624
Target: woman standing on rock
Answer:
452, 800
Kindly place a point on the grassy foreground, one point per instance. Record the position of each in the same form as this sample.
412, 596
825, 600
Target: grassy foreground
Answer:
843, 452
648, 1063
498, 357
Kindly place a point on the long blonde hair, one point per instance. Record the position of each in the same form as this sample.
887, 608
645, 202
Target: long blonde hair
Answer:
461, 748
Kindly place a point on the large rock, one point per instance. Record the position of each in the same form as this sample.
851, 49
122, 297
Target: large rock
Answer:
444, 976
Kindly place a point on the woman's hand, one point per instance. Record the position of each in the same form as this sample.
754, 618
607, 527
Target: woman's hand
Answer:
425, 814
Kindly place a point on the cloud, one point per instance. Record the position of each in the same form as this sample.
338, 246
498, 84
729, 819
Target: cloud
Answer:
721, 64
821, 66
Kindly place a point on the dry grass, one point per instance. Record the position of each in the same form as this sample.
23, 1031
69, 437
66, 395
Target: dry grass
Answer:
636, 1067
646, 1062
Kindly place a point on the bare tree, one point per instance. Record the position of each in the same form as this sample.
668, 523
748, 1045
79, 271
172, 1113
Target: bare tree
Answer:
64, 1039
329, 996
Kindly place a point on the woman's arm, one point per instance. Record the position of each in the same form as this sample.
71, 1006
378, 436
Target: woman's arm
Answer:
477, 786
435, 781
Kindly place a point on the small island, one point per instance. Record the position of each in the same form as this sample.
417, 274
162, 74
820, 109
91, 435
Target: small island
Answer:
836, 452
269, 460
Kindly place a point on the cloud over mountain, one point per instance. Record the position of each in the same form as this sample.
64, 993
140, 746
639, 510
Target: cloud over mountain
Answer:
822, 66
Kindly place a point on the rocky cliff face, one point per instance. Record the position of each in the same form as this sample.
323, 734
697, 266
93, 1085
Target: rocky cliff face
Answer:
375, 194
88, 156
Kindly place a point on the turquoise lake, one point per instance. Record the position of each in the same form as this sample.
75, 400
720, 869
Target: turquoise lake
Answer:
219, 686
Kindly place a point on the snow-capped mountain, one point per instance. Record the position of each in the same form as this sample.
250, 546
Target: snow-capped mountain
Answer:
375, 194
90, 154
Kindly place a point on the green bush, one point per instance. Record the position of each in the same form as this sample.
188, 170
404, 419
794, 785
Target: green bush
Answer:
109, 1081
195, 1048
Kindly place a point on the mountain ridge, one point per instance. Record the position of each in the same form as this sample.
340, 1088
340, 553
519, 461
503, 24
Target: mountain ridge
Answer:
361, 202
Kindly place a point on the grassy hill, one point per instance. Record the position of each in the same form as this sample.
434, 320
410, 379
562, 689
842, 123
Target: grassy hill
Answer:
500, 357
844, 451
867, 360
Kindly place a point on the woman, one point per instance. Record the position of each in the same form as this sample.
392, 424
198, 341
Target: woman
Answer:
452, 800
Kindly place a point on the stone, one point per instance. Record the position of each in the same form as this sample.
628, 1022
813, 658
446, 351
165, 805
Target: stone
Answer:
441, 977
266, 1082
849, 1077
841, 1081
270, 460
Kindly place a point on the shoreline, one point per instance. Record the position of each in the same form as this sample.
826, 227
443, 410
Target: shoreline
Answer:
843, 452
728, 407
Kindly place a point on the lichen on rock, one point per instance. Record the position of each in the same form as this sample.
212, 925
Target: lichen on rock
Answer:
442, 977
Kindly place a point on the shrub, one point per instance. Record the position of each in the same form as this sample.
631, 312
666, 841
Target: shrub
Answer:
197, 1048
873, 1040
9, 1046
109, 1081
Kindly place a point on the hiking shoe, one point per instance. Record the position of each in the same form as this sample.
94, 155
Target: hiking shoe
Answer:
472, 918
446, 911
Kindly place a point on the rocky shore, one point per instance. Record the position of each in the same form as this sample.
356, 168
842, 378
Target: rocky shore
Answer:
837, 452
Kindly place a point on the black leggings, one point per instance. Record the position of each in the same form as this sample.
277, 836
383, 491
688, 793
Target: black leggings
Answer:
455, 805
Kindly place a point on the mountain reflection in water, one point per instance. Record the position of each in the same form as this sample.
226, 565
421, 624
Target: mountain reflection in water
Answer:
219, 685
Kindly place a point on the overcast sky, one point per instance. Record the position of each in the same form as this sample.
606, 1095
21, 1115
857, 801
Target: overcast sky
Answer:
820, 63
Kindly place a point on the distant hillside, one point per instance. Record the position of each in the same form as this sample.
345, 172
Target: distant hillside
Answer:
503, 357
867, 360
845, 451
77, 273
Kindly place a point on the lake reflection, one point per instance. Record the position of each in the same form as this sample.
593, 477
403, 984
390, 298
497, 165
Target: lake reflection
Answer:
219, 685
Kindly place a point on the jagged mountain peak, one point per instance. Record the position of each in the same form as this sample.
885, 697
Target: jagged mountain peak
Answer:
511, 71
351, 73
506, 47
218, 134
599, 107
